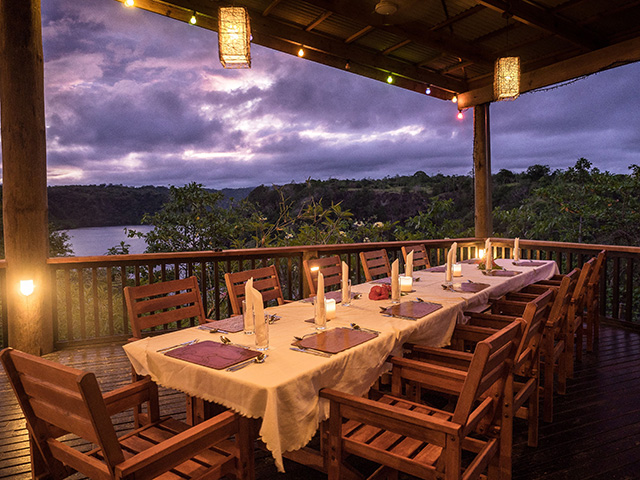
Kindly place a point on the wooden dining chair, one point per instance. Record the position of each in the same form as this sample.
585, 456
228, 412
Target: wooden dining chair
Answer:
552, 348
375, 263
522, 389
157, 305
330, 267
420, 256
57, 401
265, 280
401, 434
576, 318
592, 302
163, 303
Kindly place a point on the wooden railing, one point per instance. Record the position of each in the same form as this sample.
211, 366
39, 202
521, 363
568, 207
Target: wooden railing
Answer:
88, 305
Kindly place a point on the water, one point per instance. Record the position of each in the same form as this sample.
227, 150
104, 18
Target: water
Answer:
97, 240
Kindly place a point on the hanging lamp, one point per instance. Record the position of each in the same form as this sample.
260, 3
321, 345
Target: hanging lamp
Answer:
506, 78
506, 73
234, 37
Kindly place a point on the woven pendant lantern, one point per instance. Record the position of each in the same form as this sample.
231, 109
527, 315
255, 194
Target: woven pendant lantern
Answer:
506, 78
234, 37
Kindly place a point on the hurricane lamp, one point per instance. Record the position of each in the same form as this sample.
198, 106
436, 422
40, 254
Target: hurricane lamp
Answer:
506, 80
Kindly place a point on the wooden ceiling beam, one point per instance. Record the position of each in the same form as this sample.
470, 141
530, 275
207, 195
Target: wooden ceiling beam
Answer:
356, 11
360, 33
549, 22
456, 18
321, 18
574, 67
395, 47
266, 29
270, 7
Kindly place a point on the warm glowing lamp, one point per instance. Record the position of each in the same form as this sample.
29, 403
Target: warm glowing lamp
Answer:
234, 37
506, 78
406, 283
26, 287
128, 3
330, 308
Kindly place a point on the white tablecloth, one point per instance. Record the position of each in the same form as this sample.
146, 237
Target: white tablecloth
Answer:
283, 391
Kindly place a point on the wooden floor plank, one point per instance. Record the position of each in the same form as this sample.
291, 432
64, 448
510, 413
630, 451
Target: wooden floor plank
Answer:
595, 434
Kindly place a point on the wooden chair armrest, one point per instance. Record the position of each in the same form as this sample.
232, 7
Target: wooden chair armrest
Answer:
538, 289
130, 395
405, 422
473, 332
179, 448
440, 356
490, 320
428, 375
522, 296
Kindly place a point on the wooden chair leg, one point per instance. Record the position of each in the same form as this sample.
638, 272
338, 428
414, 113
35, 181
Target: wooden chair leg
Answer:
533, 415
245, 440
548, 384
506, 431
579, 340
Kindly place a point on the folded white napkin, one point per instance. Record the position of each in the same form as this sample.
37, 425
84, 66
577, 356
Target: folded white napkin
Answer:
248, 306
454, 256
261, 328
488, 254
320, 312
395, 279
449, 268
345, 283
408, 267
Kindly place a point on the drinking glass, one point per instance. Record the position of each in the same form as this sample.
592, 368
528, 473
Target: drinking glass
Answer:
346, 294
247, 317
262, 334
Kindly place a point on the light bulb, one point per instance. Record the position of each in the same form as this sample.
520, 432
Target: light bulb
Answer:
427, 91
128, 3
389, 79
301, 53
455, 99
193, 20
26, 286
460, 116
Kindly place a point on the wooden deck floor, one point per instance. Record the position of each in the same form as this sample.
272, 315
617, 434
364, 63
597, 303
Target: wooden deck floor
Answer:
595, 434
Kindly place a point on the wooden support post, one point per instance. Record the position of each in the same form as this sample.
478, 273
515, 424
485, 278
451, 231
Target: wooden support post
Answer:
24, 171
482, 171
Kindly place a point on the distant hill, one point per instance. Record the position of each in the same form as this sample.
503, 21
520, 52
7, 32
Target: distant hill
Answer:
79, 206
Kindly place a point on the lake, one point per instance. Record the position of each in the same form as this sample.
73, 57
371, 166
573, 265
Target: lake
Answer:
97, 240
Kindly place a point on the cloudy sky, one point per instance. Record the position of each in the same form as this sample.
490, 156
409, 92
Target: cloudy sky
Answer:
134, 98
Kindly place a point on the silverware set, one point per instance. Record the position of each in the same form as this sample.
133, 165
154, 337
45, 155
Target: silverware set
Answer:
183, 344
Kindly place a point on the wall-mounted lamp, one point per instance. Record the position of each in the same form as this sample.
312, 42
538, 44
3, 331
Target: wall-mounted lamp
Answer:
26, 287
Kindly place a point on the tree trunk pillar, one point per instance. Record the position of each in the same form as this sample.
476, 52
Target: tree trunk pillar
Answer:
482, 171
24, 172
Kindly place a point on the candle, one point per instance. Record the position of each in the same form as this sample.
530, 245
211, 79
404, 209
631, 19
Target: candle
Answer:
480, 253
406, 283
330, 307
457, 269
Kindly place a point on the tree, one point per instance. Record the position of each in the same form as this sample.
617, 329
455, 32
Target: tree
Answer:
190, 221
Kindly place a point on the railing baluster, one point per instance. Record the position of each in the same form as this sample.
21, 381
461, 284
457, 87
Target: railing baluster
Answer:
110, 301
69, 304
96, 302
83, 324
615, 301
629, 292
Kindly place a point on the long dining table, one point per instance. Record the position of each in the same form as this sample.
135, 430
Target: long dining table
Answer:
283, 391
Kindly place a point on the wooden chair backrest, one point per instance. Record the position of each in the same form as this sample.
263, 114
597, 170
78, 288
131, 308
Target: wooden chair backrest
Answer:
265, 280
560, 306
488, 371
375, 263
330, 267
57, 400
580, 290
162, 303
420, 256
596, 272
535, 316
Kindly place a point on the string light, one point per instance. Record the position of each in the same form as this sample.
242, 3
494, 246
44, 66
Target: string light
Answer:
193, 20
301, 53
389, 79
428, 91
460, 115
128, 3
455, 99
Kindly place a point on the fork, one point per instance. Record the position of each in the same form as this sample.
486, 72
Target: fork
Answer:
184, 344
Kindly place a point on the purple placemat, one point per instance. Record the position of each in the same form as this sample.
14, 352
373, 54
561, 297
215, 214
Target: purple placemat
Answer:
441, 268
469, 287
501, 273
411, 310
228, 325
335, 340
529, 263
212, 354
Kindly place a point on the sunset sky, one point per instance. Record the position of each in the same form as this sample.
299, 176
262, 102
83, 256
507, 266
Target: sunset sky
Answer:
134, 98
